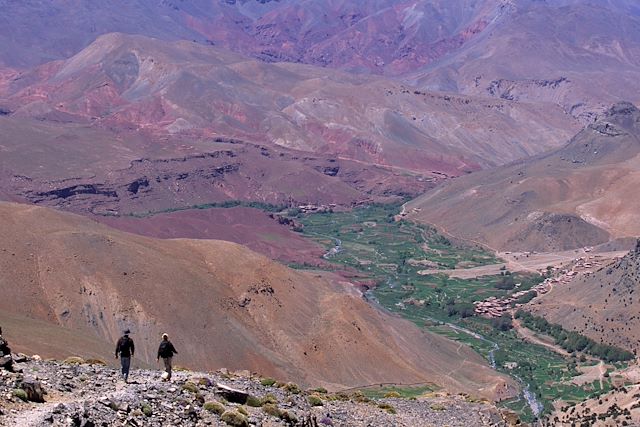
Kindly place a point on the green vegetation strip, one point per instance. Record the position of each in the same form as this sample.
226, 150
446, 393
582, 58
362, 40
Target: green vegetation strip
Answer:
392, 253
573, 341
267, 207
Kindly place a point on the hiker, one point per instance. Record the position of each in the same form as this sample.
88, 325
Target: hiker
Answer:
126, 349
166, 351
6, 361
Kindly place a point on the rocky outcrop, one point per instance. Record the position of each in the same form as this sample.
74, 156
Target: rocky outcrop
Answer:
91, 394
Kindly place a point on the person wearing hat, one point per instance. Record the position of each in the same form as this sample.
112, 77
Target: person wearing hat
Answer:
125, 348
166, 351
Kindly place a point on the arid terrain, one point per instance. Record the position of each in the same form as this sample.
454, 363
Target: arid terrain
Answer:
389, 195
225, 305
601, 305
579, 195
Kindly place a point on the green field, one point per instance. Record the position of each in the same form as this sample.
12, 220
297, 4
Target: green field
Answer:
392, 253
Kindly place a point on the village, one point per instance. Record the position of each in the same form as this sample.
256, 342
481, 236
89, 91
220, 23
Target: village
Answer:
493, 307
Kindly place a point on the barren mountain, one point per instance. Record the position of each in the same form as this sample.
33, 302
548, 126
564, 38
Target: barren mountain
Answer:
183, 88
582, 194
602, 306
224, 305
580, 54
133, 124
380, 36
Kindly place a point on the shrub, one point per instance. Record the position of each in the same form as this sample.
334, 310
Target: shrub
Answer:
74, 360
254, 402
243, 411
205, 382
215, 407
320, 390
235, 419
20, 394
292, 388
341, 396
96, 362
315, 400
190, 387
267, 382
387, 408
272, 410
358, 396
289, 418
146, 409
502, 323
392, 394
438, 407
269, 398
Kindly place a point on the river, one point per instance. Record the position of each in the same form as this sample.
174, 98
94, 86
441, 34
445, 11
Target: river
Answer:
535, 406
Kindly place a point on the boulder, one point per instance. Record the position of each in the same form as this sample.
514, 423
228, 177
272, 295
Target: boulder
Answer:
6, 362
231, 394
34, 390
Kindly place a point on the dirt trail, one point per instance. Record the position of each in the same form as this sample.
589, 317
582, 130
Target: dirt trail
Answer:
36, 417
529, 335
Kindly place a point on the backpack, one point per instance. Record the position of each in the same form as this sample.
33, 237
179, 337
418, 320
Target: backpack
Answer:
165, 349
4, 346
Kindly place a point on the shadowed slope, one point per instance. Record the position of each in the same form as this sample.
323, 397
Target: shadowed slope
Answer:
224, 305
582, 194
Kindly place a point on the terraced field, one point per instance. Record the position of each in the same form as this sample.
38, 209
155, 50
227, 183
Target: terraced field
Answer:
391, 254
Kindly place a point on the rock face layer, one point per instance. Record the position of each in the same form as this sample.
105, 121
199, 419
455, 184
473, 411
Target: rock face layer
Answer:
602, 306
223, 305
579, 195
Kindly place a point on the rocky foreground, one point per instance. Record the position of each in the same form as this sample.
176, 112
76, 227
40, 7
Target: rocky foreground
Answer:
78, 393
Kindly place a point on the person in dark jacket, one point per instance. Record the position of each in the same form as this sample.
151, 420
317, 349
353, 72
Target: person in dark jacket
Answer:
166, 351
6, 361
126, 349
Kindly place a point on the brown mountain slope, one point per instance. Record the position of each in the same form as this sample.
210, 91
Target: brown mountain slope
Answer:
603, 306
582, 194
182, 88
224, 305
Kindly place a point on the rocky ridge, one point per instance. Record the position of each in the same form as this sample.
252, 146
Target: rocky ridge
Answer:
88, 393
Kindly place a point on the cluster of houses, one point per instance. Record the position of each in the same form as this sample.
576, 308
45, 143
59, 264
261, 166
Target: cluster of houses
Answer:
307, 209
496, 307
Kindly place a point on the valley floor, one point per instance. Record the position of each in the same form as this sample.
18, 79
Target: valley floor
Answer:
416, 272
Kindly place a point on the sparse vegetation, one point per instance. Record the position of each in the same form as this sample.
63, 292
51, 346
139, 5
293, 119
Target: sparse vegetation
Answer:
272, 410
267, 382
292, 388
315, 400
254, 401
20, 394
225, 205
387, 407
190, 387
146, 410
234, 419
74, 360
215, 407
